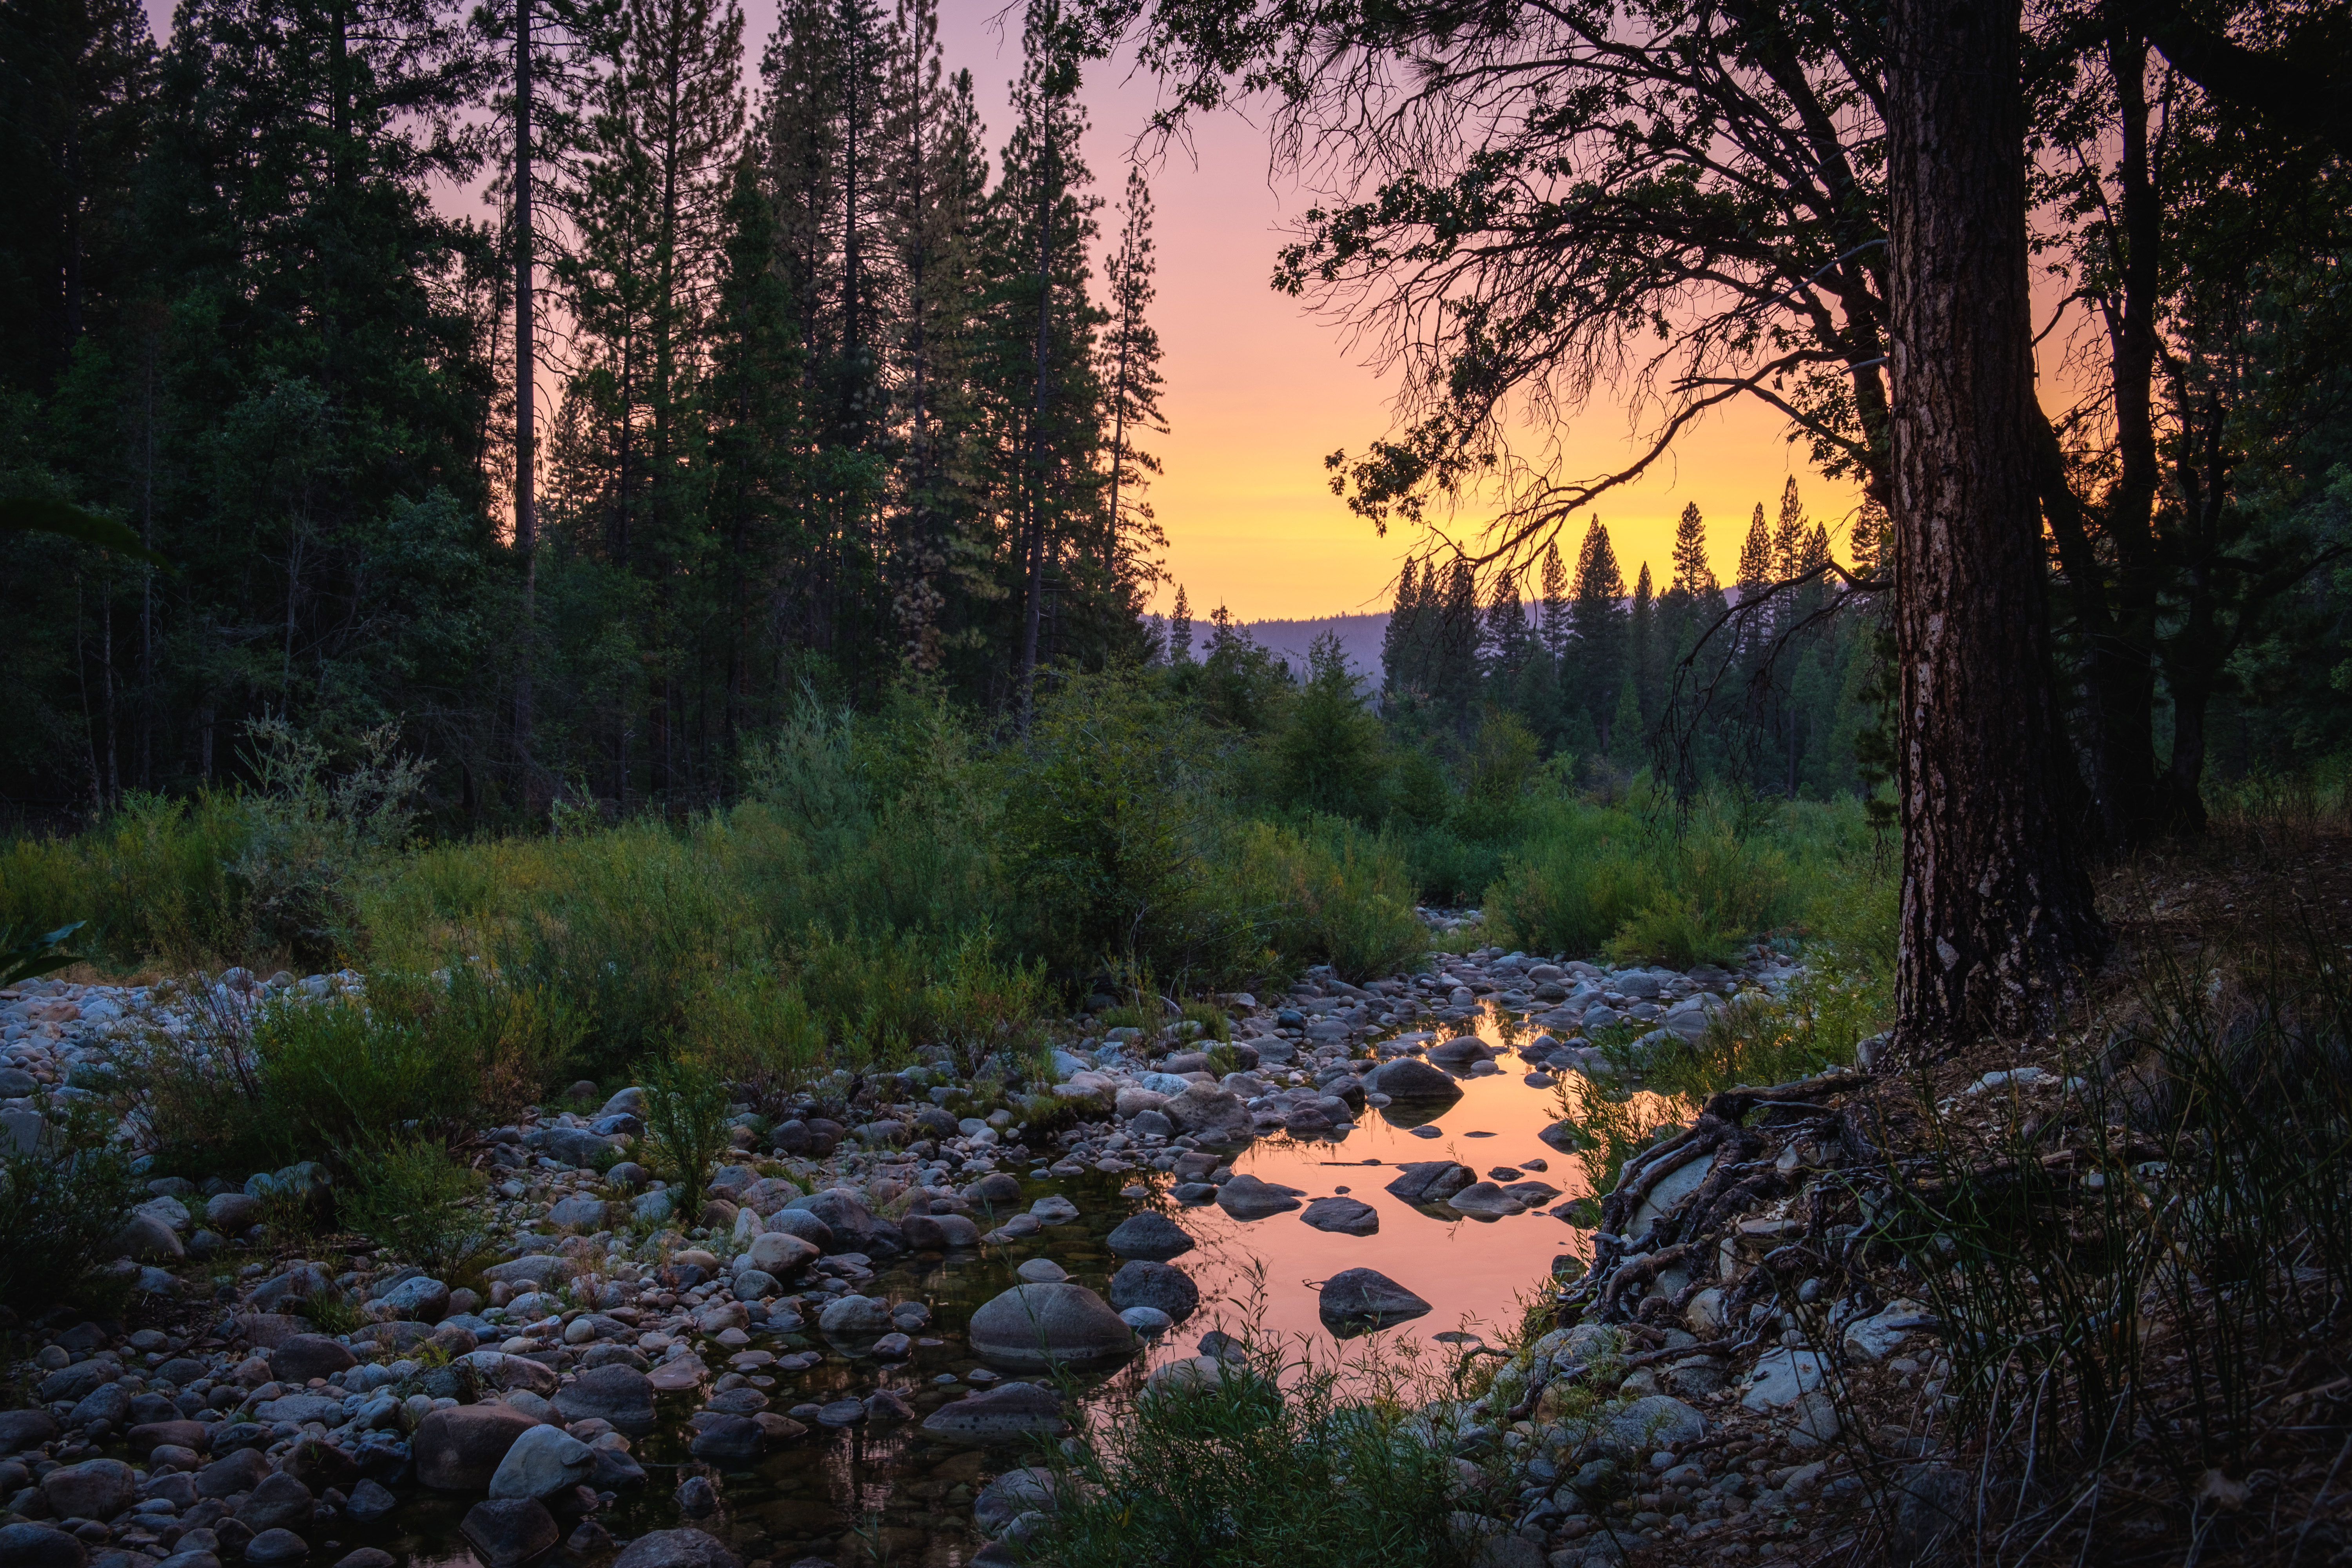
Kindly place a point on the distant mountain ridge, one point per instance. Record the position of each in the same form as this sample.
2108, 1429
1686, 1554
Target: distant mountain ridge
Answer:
1359, 638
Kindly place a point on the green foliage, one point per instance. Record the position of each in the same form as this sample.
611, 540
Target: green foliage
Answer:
1763, 1040
61, 1204
1331, 757
311, 833
687, 1124
1327, 894
435, 1057
29, 957
409, 1195
1300, 1463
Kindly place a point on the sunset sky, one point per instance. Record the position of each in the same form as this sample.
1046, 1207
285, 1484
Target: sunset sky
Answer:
1259, 392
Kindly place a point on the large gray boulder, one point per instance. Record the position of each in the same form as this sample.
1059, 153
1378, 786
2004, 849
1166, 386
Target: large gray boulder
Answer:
306, 1356
1343, 1217
781, 1253
1245, 1197
613, 1393
1012, 1413
94, 1488
539, 1271
676, 1549
1366, 1296
1407, 1079
1648, 1425
279, 1502
1038, 1325
38, 1546
855, 1316
459, 1449
843, 1213
1161, 1286
1149, 1235
1206, 1111
543, 1461
505, 1532
1431, 1180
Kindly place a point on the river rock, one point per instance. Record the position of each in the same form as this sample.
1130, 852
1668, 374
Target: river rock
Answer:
1160, 1285
543, 1460
1245, 1197
1344, 1216
1782, 1377
459, 1449
150, 1238
855, 1316
1647, 1424
676, 1549
939, 1232
147, 1436
727, 1439
1459, 1051
232, 1473
1012, 1494
1484, 1198
272, 1548
781, 1253
1207, 1110
508, 1531
1431, 1180
306, 1356
1366, 1295
619, 1394
279, 1502
232, 1213
1149, 1235
843, 1213
996, 1190
78, 1381
1037, 1325
1406, 1079
94, 1488
22, 1429
539, 1271
1012, 1412
38, 1546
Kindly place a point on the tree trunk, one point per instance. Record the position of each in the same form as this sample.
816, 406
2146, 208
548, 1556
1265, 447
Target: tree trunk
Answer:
1035, 565
1996, 914
526, 364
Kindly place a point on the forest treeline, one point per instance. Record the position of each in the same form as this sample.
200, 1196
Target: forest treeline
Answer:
839, 399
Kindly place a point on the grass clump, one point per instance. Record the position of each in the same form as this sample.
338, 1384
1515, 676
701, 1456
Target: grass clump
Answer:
1293, 1462
409, 1195
686, 1127
62, 1202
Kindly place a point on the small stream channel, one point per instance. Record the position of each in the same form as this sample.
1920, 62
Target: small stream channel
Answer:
842, 1496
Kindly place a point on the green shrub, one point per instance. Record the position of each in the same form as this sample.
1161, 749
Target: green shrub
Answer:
686, 1127
311, 834
1303, 1464
1332, 895
754, 1030
61, 1204
409, 1195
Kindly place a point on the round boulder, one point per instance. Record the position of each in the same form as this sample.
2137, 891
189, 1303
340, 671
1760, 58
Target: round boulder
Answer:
1012, 1413
273, 1547
1406, 1079
38, 1546
613, 1393
1149, 1235
1343, 1217
1369, 1297
507, 1531
1038, 1325
855, 1316
459, 1449
543, 1461
676, 1549
1648, 1425
1245, 1197
1160, 1285
95, 1488
306, 1356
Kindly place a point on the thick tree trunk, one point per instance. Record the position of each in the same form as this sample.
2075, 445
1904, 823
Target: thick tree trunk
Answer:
1997, 916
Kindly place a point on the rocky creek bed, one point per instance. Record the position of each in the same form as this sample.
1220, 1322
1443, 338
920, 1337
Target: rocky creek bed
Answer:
844, 1358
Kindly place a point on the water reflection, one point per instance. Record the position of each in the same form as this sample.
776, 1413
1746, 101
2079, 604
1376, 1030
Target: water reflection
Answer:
849, 1495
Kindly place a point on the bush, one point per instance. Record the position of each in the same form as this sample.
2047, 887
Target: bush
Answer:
1303, 1464
1331, 895
62, 1202
409, 1195
686, 1122
754, 1030
311, 834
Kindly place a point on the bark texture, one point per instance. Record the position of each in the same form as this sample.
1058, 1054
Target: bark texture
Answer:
1997, 916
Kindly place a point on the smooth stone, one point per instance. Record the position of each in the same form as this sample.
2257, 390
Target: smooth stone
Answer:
306, 1356
38, 1546
1037, 1325
1246, 1197
505, 1532
1041, 1271
676, 1549
1649, 1423
1484, 1198
615, 1392
1012, 1412
94, 1488
1161, 1286
1431, 1180
1407, 1079
1366, 1295
459, 1449
728, 1439
1344, 1216
275, 1546
1148, 1322
279, 1502
1151, 1236
853, 1316
543, 1460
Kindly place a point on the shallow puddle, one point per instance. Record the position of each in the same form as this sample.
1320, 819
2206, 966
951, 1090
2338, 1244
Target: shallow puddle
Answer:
893, 1495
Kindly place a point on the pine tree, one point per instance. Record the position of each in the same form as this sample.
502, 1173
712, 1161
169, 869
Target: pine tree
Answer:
1131, 376
1789, 537
1756, 559
1400, 669
1180, 630
1647, 658
1508, 645
1454, 649
1597, 665
1554, 619
1694, 577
